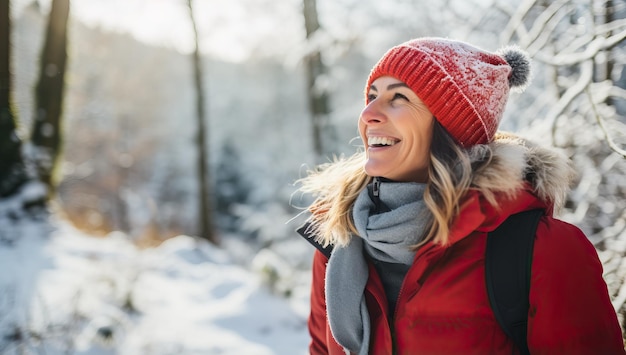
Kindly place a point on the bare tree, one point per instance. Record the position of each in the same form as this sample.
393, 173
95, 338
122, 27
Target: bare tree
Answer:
205, 212
46, 134
316, 91
12, 169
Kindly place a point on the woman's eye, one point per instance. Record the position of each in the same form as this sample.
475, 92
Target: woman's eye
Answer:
371, 97
400, 96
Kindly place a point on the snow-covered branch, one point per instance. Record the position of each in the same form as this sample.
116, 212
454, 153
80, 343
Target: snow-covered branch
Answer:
586, 75
568, 57
544, 28
547, 18
516, 23
600, 121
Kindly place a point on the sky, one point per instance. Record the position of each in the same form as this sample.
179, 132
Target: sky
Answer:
229, 30
62, 289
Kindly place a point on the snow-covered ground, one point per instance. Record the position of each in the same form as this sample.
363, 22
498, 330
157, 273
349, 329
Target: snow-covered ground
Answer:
64, 292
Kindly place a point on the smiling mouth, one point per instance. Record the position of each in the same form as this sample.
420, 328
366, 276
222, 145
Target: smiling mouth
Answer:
381, 142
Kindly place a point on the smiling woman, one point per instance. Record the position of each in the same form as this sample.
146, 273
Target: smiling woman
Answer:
401, 228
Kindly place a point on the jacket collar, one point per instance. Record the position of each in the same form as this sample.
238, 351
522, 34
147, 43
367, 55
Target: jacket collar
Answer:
518, 164
520, 176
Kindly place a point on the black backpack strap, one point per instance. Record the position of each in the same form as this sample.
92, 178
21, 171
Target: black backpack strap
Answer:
306, 231
508, 261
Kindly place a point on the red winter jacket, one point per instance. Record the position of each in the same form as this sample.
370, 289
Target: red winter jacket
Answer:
443, 307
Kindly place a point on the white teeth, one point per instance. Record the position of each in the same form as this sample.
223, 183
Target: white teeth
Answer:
381, 141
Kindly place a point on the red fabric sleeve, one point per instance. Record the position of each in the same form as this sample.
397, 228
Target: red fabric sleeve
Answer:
570, 308
317, 319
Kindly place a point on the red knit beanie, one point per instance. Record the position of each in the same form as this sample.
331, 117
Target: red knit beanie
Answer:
464, 87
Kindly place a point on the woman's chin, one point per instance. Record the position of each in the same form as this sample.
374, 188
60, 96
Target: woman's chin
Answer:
376, 169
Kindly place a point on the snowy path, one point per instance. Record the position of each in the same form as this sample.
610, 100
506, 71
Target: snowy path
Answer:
103, 296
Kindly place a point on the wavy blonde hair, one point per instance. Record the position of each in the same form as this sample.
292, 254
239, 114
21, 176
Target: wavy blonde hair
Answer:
336, 186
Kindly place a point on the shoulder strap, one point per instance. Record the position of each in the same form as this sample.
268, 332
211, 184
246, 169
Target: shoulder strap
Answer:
508, 261
305, 231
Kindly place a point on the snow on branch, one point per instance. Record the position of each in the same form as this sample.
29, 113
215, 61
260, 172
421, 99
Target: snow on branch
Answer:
586, 75
603, 29
619, 301
570, 57
516, 24
600, 121
546, 19
544, 28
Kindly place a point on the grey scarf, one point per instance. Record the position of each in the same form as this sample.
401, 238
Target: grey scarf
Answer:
387, 236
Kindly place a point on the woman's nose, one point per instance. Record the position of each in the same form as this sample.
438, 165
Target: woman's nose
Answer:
372, 114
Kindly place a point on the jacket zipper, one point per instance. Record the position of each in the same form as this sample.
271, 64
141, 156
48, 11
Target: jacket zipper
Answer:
376, 193
392, 323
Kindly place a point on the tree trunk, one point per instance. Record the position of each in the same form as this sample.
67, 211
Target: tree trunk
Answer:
46, 135
317, 96
609, 64
205, 213
12, 170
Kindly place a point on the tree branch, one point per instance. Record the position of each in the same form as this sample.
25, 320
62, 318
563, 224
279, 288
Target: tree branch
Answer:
594, 47
586, 75
545, 32
543, 20
516, 24
600, 121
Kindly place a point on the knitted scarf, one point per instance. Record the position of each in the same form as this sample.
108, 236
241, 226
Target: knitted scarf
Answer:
387, 236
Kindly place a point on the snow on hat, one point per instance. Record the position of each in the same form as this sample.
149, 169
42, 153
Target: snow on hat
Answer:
466, 88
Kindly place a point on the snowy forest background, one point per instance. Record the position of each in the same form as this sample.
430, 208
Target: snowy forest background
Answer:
283, 88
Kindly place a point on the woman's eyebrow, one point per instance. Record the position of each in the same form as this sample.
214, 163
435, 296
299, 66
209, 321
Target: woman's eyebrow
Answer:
396, 85
390, 87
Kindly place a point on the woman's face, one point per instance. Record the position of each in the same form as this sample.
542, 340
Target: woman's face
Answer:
396, 128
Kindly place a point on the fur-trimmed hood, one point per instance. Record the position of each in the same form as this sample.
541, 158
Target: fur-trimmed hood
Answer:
517, 163
510, 175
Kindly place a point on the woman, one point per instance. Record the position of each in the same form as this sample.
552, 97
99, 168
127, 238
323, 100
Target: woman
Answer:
409, 217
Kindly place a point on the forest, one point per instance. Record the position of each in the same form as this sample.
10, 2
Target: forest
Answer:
149, 121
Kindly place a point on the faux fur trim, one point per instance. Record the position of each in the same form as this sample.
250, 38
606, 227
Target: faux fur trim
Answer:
515, 161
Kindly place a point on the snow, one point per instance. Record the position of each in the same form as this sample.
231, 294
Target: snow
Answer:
62, 291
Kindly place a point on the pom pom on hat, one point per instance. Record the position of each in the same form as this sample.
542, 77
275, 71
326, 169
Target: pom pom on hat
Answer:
466, 88
520, 66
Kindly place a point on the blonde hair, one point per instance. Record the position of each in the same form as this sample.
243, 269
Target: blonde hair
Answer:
336, 186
